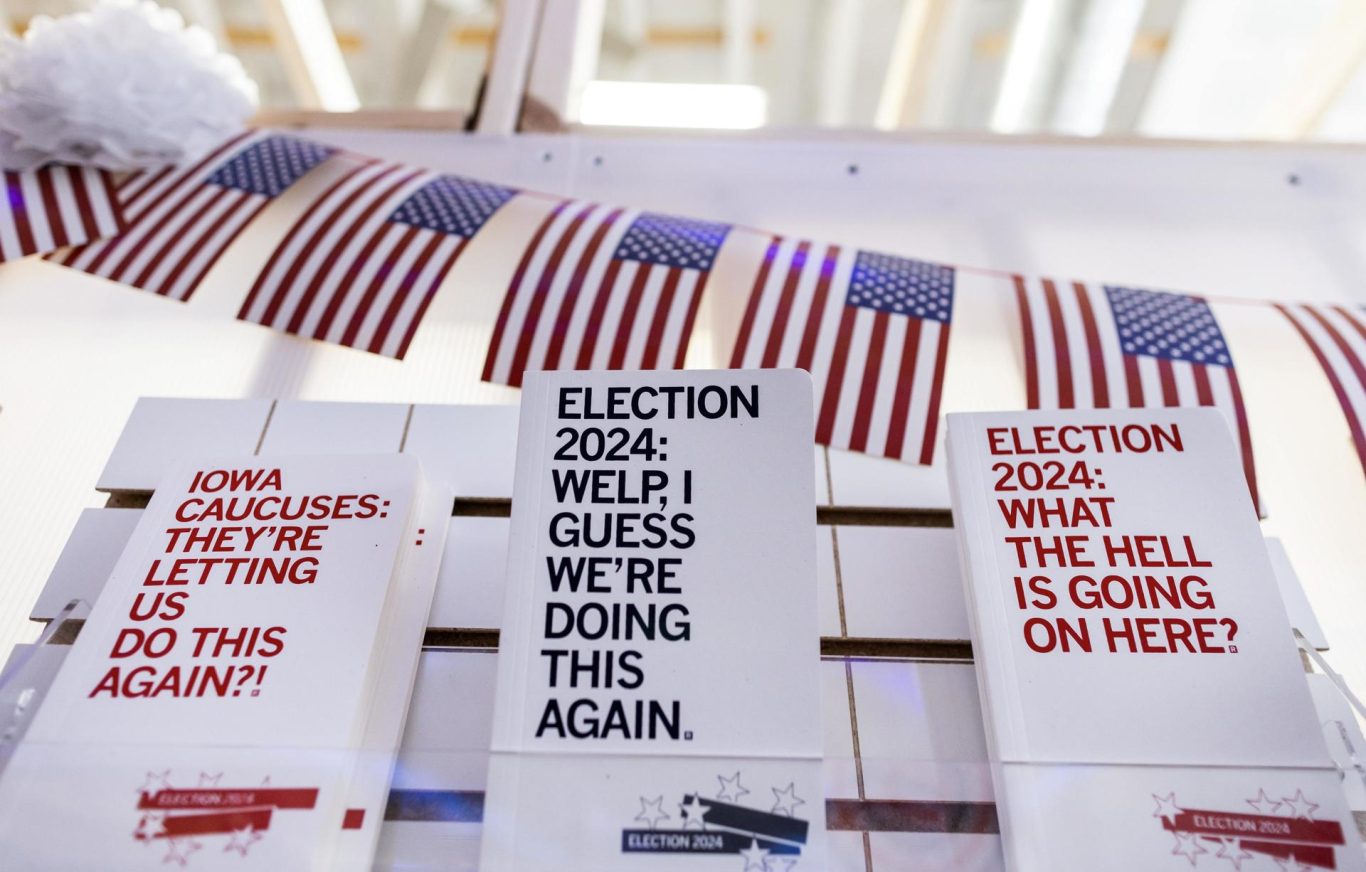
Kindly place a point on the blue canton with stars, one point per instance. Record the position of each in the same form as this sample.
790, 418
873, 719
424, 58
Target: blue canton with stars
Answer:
269, 166
452, 205
668, 241
1169, 326
900, 286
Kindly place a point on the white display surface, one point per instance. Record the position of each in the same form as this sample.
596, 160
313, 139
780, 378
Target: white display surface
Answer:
661, 524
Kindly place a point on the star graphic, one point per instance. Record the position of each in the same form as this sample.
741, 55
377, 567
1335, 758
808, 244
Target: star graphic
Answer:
731, 788
207, 780
156, 781
242, 839
1290, 864
755, 857
691, 812
179, 852
1166, 806
1232, 851
150, 826
785, 801
1299, 807
1188, 846
1263, 803
651, 812
789, 863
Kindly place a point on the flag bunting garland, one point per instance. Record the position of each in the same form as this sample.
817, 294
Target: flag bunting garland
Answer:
1091, 346
362, 265
873, 331
598, 286
55, 206
180, 220
1337, 336
601, 287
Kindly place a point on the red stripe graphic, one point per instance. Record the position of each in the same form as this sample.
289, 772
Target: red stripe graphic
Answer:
858, 439
905, 386
1244, 439
782, 315
1100, 389
51, 210
538, 298
661, 317
1062, 354
1354, 419
571, 293
1030, 349
834, 382
593, 329
19, 209
819, 300
628, 317
1166, 376
737, 358
936, 394
500, 326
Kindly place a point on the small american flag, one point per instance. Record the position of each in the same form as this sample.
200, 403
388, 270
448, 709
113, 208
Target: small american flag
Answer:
55, 206
1337, 336
181, 219
1100, 347
603, 288
873, 331
363, 263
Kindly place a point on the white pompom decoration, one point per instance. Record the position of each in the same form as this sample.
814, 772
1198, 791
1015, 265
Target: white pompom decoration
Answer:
124, 86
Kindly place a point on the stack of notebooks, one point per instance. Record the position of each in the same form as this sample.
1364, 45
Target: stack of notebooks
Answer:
236, 698
658, 699
1145, 704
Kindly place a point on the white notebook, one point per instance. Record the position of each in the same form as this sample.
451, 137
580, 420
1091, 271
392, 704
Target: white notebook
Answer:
663, 525
231, 699
1128, 634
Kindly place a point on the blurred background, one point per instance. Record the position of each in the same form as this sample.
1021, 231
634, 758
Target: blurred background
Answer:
1284, 70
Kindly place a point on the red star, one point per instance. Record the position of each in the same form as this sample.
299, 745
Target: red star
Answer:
1232, 851
156, 782
243, 839
150, 826
1299, 807
1166, 806
1264, 804
179, 853
1188, 846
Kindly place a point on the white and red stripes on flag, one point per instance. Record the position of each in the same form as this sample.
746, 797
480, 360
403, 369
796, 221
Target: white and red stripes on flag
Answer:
1099, 347
363, 263
55, 206
179, 220
1337, 336
873, 331
601, 287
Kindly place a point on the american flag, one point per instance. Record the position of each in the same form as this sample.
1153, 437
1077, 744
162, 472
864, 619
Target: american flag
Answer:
1100, 347
873, 331
1337, 336
601, 287
55, 206
360, 267
181, 219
